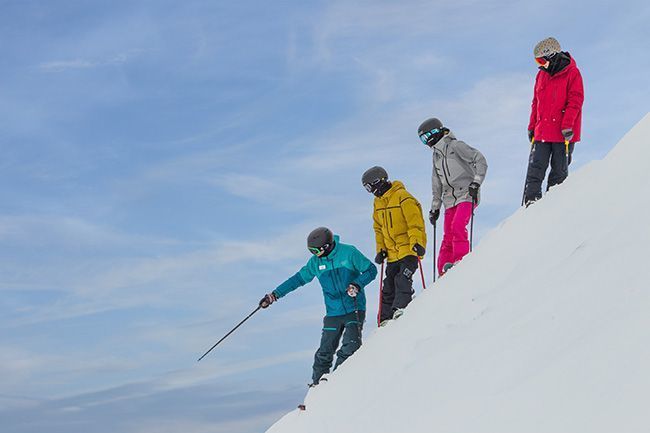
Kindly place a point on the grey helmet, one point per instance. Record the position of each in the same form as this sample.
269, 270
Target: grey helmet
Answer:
375, 180
320, 241
431, 131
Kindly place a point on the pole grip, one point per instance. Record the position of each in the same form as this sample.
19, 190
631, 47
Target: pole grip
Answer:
424, 286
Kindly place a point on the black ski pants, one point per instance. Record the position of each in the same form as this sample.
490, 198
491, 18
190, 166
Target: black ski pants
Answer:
397, 291
349, 327
540, 156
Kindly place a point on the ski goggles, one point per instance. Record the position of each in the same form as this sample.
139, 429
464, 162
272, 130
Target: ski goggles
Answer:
427, 135
318, 251
371, 186
544, 59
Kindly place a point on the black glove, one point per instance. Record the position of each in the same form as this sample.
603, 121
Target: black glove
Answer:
419, 250
379, 258
568, 134
531, 135
268, 299
433, 216
473, 190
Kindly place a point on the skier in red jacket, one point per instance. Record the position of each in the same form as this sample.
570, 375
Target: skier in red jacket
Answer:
555, 117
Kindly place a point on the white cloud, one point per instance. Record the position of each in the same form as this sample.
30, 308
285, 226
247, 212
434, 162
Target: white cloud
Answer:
64, 65
79, 63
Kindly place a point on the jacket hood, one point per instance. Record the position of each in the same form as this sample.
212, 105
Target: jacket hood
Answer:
561, 65
450, 136
396, 185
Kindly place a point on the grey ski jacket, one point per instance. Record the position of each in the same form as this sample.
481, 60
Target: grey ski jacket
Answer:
455, 166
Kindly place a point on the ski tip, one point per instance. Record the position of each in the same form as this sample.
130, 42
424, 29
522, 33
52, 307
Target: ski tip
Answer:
302, 407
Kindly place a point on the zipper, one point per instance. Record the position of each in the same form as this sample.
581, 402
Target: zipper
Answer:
338, 289
444, 161
390, 216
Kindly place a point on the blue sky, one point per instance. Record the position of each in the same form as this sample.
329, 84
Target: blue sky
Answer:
162, 162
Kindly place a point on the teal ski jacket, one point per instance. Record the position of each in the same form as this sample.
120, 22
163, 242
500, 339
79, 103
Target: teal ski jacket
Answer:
343, 266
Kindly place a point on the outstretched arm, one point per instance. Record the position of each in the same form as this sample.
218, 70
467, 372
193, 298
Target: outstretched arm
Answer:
299, 279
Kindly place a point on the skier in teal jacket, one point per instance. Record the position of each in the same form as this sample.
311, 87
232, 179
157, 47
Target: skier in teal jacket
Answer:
343, 272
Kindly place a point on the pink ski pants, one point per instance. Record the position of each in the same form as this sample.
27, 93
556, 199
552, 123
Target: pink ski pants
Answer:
455, 242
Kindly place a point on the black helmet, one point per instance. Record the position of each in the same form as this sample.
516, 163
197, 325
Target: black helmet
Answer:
320, 241
375, 180
431, 131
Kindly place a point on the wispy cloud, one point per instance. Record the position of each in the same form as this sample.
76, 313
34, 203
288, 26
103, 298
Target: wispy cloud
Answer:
80, 63
63, 65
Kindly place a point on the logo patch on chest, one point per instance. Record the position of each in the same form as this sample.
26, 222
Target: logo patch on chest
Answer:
322, 267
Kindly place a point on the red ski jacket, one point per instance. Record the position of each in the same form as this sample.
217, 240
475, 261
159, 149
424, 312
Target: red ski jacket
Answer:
557, 104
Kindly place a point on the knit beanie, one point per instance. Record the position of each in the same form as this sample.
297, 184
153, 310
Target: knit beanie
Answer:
547, 47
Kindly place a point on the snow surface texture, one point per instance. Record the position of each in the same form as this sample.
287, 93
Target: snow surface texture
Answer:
545, 327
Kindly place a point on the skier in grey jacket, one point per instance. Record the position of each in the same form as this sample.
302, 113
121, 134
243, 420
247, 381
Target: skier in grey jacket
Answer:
458, 172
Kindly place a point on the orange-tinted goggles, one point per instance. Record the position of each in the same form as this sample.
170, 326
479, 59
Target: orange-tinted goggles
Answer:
541, 60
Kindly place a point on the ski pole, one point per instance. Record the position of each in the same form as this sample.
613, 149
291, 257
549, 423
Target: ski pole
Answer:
471, 227
356, 310
231, 331
566, 154
434, 253
381, 297
530, 157
424, 286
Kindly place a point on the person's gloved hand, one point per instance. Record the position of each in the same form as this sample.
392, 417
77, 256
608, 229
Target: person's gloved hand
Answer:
473, 190
268, 299
353, 290
419, 250
567, 134
531, 135
433, 216
380, 257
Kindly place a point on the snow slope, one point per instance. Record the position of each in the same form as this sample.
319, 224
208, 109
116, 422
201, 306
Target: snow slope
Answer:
545, 327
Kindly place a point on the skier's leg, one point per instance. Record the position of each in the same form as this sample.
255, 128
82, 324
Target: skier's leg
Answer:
404, 281
559, 167
537, 171
459, 231
446, 246
388, 291
571, 146
351, 337
329, 341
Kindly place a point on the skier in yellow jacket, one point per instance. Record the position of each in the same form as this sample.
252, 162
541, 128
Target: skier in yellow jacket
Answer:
400, 236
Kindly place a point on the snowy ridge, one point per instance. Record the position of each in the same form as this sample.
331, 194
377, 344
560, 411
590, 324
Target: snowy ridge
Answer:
543, 328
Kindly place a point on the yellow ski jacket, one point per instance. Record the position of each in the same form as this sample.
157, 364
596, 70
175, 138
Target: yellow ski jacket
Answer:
398, 222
